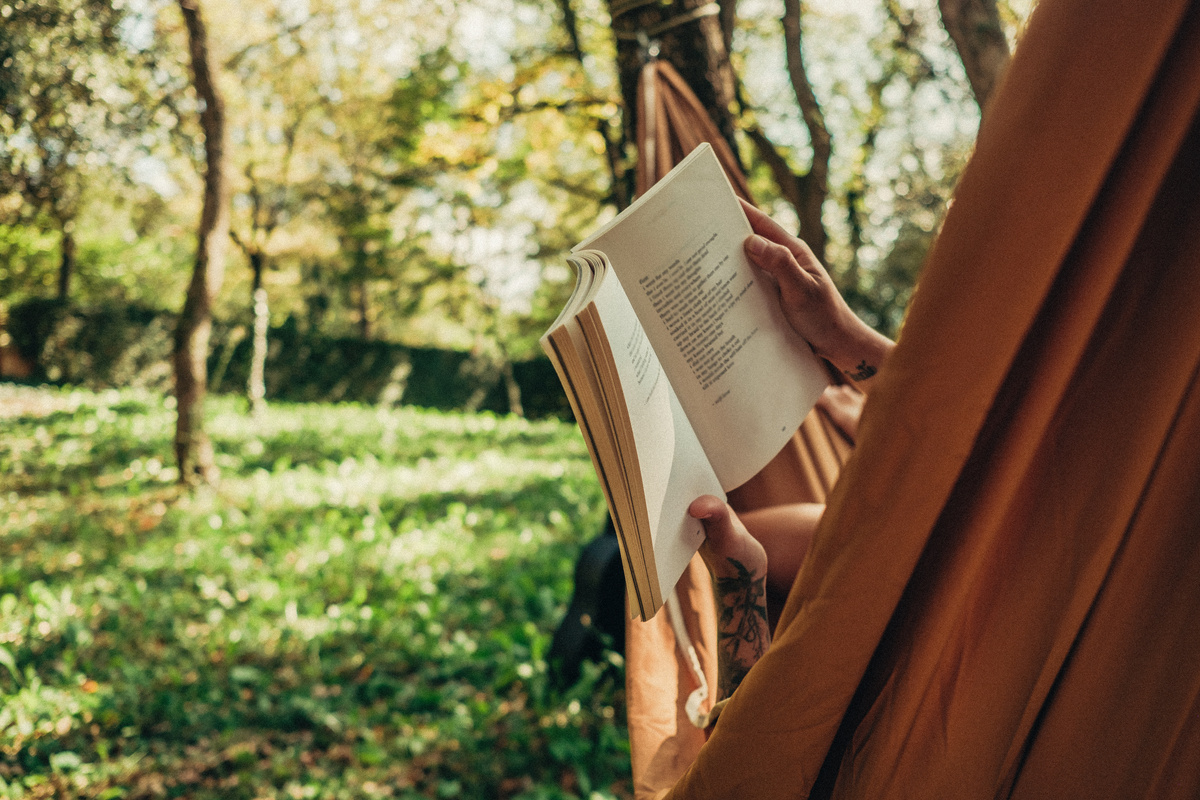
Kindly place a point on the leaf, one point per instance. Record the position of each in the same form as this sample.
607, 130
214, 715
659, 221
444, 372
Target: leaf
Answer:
65, 761
10, 661
244, 674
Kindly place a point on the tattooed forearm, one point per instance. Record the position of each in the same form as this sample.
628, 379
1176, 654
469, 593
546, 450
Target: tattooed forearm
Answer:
742, 630
861, 372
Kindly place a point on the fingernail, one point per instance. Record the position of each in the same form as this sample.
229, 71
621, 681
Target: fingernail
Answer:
755, 245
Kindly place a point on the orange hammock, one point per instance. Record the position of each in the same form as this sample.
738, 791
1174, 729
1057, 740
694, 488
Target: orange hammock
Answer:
1002, 597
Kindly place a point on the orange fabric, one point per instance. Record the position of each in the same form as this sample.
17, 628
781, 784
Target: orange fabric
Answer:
663, 742
672, 123
1001, 599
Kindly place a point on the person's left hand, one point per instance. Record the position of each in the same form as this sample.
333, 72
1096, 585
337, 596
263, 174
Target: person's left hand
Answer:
738, 564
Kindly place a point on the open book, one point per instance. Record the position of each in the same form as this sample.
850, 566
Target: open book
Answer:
683, 374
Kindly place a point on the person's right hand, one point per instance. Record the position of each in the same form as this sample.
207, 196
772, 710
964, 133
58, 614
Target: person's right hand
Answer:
810, 301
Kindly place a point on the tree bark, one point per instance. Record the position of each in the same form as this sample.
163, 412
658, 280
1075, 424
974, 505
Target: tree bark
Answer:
193, 450
66, 264
974, 27
364, 310
691, 40
512, 388
256, 386
813, 187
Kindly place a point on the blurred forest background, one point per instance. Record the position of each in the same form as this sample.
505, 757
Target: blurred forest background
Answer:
332, 214
412, 172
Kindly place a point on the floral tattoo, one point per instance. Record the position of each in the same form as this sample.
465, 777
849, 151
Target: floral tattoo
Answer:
743, 633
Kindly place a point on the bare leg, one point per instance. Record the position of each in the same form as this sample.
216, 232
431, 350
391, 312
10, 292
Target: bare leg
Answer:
844, 406
785, 533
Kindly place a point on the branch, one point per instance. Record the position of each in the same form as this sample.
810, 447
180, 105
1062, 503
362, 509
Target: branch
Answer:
974, 26
231, 63
816, 183
612, 149
791, 185
574, 189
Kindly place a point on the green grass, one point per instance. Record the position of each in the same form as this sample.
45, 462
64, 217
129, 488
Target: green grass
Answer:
361, 608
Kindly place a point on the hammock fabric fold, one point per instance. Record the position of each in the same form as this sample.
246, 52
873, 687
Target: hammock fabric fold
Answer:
1002, 597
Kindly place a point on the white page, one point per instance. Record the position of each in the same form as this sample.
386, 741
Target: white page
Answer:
674, 468
744, 377
646, 392
678, 536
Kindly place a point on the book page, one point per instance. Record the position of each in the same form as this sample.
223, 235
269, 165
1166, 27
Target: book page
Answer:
580, 389
566, 345
645, 389
744, 377
678, 536
672, 465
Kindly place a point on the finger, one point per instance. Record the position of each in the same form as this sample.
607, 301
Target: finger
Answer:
781, 264
706, 507
763, 225
768, 235
722, 538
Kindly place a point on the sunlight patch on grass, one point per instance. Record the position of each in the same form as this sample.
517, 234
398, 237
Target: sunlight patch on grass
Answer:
362, 607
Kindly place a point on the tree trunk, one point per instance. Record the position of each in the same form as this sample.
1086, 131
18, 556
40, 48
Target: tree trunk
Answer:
364, 310
813, 186
697, 46
256, 386
684, 33
512, 388
66, 264
620, 190
193, 450
217, 377
974, 26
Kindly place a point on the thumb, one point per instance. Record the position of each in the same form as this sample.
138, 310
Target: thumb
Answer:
714, 515
726, 540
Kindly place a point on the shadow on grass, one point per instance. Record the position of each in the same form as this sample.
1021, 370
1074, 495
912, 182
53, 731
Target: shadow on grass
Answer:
227, 646
447, 678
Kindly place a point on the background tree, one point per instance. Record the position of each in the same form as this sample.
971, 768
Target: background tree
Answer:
272, 118
689, 35
902, 118
806, 191
602, 117
193, 449
414, 171
978, 35
62, 105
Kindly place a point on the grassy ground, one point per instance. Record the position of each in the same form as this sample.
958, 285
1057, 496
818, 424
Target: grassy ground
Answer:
362, 608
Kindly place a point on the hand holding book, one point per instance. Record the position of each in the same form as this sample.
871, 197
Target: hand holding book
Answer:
766, 547
738, 565
686, 366
811, 303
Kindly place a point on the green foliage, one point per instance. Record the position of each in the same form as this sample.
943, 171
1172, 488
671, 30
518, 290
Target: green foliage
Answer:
59, 86
421, 97
28, 260
107, 345
129, 345
361, 610
414, 171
